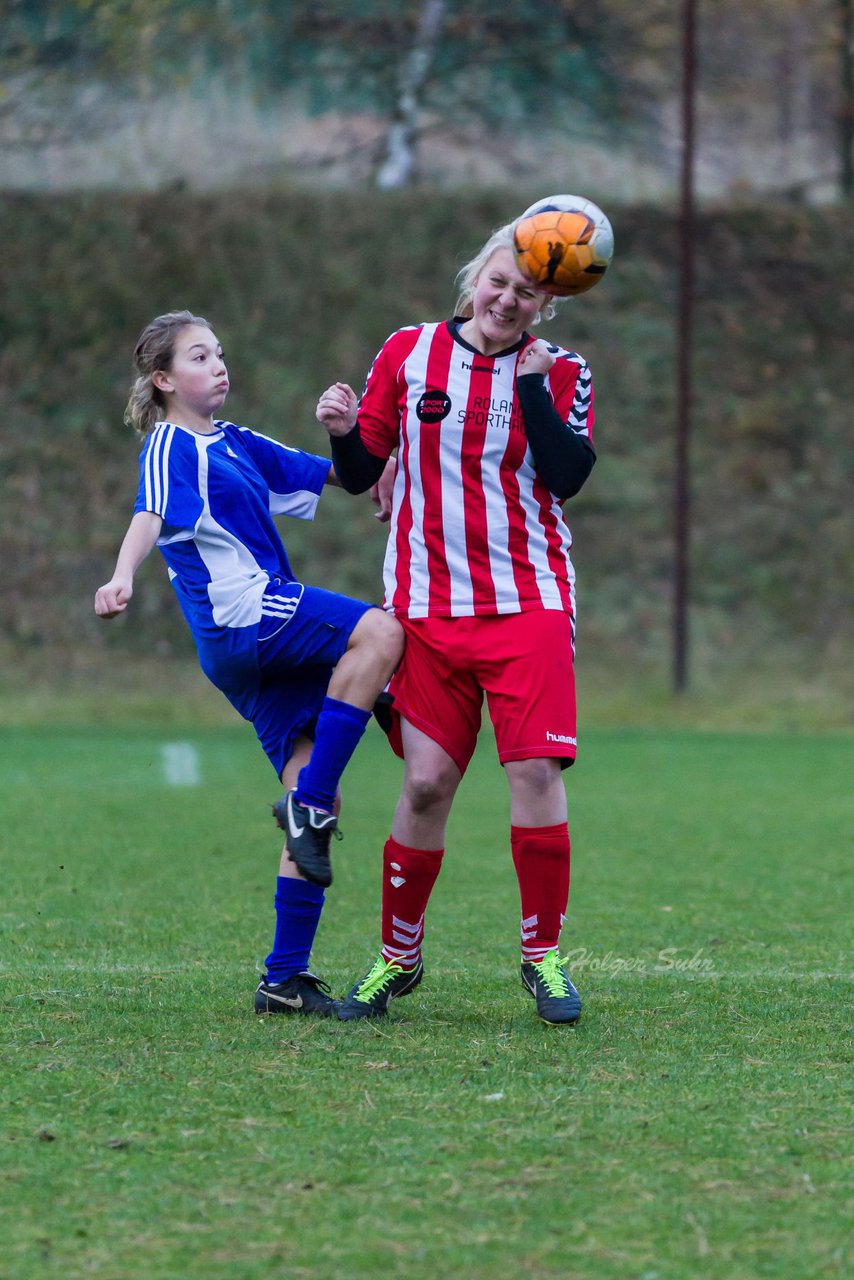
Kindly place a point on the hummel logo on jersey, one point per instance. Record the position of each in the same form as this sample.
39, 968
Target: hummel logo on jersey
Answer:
561, 737
479, 368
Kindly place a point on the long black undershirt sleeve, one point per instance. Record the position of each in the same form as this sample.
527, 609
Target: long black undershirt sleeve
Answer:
355, 466
563, 458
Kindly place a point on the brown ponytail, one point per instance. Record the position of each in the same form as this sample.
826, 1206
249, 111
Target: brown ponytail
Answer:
154, 351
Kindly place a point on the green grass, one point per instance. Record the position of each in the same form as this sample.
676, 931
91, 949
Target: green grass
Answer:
693, 1124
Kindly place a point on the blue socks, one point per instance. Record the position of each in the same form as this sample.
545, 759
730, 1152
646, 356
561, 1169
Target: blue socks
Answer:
298, 907
339, 730
299, 903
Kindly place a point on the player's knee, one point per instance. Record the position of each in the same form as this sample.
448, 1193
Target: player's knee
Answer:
534, 777
382, 636
424, 792
392, 639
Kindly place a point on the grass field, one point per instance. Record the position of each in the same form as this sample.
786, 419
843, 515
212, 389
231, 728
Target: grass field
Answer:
695, 1123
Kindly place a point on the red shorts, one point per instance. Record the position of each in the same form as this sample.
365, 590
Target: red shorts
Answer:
522, 662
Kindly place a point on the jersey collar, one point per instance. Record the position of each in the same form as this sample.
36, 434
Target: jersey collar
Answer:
453, 327
200, 435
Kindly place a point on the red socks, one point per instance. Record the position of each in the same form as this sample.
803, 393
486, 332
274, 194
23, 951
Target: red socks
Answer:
408, 879
541, 859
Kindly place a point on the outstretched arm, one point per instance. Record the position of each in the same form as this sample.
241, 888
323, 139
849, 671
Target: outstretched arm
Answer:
563, 457
143, 531
356, 467
337, 409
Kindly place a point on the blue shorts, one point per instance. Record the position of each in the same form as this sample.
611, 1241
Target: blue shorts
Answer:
302, 635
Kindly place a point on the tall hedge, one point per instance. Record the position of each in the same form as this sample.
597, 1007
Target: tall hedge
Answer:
302, 289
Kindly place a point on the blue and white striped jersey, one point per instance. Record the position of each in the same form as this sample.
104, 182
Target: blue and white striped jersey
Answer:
217, 495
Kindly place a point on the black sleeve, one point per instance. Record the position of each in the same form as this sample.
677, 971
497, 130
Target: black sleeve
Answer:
355, 466
563, 458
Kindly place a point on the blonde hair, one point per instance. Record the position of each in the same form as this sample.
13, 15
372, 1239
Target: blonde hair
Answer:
154, 351
467, 275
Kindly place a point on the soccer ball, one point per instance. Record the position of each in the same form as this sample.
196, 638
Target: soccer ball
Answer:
564, 243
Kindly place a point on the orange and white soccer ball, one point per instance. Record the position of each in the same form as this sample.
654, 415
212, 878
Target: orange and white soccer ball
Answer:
564, 243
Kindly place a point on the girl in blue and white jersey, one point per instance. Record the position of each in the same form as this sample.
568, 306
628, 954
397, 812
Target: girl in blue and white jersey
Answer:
303, 665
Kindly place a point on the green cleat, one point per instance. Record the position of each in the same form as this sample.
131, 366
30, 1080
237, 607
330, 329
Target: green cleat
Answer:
371, 997
556, 997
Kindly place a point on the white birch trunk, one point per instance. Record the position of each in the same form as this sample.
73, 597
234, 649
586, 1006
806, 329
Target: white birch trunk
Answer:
397, 167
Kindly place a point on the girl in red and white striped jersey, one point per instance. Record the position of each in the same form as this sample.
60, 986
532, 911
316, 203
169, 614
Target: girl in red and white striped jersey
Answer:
493, 432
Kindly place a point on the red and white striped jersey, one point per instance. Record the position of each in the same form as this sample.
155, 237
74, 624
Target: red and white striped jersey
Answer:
474, 530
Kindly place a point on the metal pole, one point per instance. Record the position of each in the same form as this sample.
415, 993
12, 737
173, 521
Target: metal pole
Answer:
681, 503
846, 110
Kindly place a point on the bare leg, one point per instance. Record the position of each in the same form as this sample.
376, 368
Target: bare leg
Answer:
302, 752
430, 782
537, 794
374, 651
306, 811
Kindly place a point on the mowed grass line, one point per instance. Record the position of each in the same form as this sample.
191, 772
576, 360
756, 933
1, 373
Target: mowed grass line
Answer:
694, 1123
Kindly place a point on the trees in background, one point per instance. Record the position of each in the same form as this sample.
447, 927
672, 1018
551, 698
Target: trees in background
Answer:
777, 69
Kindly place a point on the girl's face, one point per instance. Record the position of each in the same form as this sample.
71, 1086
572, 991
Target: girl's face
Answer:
196, 384
504, 305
